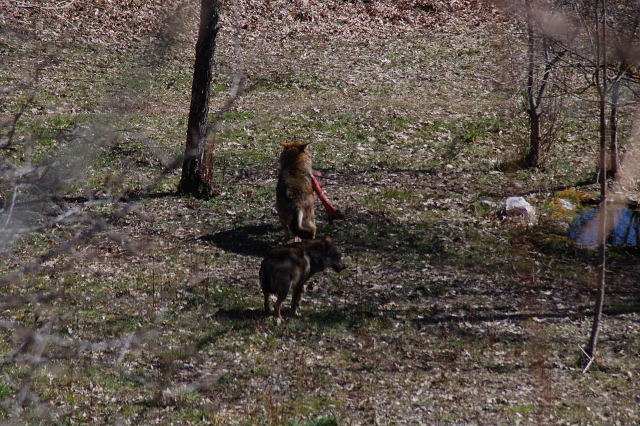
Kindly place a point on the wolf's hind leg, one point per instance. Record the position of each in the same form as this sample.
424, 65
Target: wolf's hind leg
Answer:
297, 295
277, 305
267, 308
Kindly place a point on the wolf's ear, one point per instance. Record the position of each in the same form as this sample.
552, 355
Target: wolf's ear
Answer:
327, 240
285, 144
303, 145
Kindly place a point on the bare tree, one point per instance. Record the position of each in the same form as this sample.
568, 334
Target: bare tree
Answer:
197, 167
621, 20
626, 19
537, 82
539, 66
595, 42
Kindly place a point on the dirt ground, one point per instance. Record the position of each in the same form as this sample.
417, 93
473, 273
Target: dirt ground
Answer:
133, 305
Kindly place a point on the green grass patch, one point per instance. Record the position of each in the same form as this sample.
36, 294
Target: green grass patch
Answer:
5, 391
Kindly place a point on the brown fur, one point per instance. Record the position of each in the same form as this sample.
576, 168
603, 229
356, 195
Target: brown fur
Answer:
291, 266
294, 193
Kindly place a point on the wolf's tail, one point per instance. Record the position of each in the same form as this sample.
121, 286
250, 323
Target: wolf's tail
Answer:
299, 229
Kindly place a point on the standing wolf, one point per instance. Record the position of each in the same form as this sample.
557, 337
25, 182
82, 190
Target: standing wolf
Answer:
290, 266
294, 193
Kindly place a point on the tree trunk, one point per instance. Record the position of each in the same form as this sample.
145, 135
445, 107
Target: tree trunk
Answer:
601, 83
614, 160
197, 166
533, 155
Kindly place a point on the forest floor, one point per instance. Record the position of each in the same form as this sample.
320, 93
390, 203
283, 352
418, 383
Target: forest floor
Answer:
447, 312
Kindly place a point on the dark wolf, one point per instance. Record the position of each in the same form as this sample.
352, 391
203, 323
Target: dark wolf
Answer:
290, 266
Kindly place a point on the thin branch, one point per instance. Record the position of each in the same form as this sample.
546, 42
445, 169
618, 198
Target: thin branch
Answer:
12, 205
235, 92
98, 226
125, 348
545, 77
16, 118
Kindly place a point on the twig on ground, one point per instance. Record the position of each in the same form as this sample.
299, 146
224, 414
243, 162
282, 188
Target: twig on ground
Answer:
591, 359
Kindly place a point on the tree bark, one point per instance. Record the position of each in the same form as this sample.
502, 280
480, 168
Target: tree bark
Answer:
532, 158
533, 155
197, 166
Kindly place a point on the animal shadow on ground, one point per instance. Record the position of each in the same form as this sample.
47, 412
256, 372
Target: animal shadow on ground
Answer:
252, 240
238, 314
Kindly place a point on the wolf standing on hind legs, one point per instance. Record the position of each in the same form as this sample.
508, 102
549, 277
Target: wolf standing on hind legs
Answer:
294, 192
